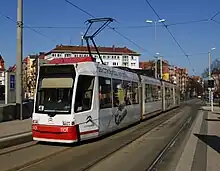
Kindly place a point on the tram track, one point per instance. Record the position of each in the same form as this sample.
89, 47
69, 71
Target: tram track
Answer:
100, 159
154, 161
188, 123
157, 127
17, 147
136, 132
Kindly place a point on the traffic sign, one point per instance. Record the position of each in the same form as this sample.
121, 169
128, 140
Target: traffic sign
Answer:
211, 84
12, 82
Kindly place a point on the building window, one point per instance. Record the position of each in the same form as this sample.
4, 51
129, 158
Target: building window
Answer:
133, 64
67, 55
115, 63
125, 58
133, 58
125, 64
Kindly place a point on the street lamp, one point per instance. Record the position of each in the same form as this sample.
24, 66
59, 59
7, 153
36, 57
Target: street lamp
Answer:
210, 91
155, 24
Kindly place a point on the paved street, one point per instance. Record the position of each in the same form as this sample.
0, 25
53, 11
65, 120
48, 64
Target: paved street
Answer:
150, 137
199, 148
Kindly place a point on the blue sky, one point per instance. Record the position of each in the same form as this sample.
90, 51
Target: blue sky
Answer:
194, 38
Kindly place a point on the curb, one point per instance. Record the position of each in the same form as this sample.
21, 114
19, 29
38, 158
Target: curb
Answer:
15, 140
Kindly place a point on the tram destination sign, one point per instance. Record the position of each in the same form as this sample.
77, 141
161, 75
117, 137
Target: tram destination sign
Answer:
60, 69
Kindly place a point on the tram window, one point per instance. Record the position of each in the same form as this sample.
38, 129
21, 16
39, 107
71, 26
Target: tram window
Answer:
84, 93
159, 92
154, 92
148, 93
167, 93
135, 95
118, 96
127, 89
171, 92
105, 94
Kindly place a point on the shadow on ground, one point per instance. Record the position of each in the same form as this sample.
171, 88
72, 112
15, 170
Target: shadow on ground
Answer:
213, 119
212, 141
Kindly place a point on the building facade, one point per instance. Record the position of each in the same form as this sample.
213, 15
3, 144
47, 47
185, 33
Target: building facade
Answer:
152, 65
112, 56
28, 75
179, 76
2, 71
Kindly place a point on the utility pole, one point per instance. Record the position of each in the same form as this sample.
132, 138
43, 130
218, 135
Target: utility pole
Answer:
81, 39
155, 71
161, 68
19, 49
210, 89
209, 63
210, 78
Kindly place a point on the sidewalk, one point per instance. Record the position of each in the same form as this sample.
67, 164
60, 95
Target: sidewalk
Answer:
15, 132
14, 127
202, 149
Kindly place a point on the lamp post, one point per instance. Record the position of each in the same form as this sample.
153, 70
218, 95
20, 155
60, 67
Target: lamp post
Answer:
210, 89
155, 25
155, 37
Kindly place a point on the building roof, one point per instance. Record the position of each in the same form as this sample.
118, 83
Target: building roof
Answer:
81, 49
146, 65
25, 60
12, 68
1, 58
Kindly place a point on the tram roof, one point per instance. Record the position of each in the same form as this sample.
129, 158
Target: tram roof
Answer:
70, 60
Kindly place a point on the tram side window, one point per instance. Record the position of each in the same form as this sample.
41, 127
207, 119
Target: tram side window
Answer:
167, 93
154, 92
105, 94
135, 95
171, 93
159, 93
118, 94
127, 92
124, 92
148, 93
84, 93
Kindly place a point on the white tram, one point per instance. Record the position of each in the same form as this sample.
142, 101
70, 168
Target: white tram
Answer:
77, 99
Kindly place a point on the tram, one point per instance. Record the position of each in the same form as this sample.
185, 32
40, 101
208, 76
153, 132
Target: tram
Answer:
78, 99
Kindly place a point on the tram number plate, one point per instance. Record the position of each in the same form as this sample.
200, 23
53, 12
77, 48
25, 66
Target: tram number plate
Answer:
64, 129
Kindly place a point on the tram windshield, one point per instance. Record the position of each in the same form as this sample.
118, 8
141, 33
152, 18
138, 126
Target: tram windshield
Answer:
55, 89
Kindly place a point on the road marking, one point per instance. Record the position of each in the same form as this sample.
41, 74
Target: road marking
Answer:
186, 160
